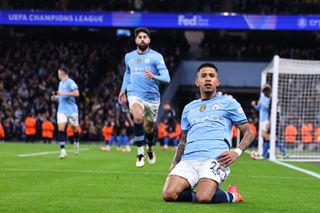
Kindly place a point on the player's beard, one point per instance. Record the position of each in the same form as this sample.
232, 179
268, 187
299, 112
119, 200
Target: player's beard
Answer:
143, 47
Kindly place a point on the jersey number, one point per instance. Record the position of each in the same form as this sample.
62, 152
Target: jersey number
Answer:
217, 170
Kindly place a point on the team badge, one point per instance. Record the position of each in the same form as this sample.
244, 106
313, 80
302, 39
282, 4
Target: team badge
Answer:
216, 106
139, 60
147, 61
202, 108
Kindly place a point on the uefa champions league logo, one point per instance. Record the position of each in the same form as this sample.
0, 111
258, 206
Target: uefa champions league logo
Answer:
302, 22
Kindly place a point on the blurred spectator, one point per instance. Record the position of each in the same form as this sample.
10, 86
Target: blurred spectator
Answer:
306, 135
2, 133
107, 132
290, 135
47, 131
30, 129
70, 133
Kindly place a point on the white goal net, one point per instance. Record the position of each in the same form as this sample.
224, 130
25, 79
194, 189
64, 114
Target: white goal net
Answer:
295, 109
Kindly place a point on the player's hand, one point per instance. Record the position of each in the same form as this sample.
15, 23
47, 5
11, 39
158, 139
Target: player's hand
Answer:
253, 103
227, 158
148, 74
54, 97
122, 99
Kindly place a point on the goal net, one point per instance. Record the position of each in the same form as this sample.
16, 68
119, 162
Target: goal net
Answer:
295, 109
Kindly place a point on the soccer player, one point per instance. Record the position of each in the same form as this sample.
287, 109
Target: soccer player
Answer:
67, 109
203, 155
145, 69
264, 102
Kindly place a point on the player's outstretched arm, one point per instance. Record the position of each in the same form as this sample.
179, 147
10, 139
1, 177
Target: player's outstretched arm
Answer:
228, 157
179, 152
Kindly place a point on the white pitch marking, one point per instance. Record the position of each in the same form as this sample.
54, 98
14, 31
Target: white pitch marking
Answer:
139, 173
308, 172
46, 153
305, 171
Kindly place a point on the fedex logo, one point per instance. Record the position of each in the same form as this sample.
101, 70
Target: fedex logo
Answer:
192, 21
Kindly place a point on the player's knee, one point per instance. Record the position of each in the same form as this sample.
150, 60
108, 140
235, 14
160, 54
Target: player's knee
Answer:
169, 195
138, 119
203, 198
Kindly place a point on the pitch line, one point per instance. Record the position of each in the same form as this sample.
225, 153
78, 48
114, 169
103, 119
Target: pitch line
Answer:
47, 153
138, 173
305, 171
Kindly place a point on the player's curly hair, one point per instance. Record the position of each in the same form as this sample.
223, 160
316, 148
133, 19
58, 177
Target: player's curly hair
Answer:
141, 29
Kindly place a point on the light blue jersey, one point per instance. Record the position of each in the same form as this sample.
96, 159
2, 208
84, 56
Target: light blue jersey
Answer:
208, 126
67, 104
134, 80
263, 107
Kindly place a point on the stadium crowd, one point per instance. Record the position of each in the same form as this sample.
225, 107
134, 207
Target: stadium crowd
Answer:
28, 69
28, 78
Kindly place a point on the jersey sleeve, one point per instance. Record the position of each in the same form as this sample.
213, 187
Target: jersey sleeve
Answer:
236, 113
126, 76
185, 125
162, 69
73, 86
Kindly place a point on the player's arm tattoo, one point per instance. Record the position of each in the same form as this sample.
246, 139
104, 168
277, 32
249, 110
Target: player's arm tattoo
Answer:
247, 136
180, 149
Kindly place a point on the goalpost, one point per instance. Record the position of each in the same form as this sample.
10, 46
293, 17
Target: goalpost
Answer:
295, 109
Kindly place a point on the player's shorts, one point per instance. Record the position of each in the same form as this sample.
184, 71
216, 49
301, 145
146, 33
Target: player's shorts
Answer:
73, 119
194, 170
150, 110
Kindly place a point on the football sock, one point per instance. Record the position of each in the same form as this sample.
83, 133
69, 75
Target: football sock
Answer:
138, 134
175, 142
125, 140
187, 196
62, 139
166, 141
222, 197
76, 137
149, 139
112, 138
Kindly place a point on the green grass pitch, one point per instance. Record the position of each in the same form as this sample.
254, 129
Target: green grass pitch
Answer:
97, 181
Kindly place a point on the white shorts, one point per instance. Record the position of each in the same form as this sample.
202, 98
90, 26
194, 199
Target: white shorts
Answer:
194, 170
73, 119
150, 110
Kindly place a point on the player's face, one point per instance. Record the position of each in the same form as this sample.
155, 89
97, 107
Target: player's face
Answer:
60, 74
207, 80
142, 41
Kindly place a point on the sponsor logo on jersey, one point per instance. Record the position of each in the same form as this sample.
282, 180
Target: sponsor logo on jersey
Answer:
202, 108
